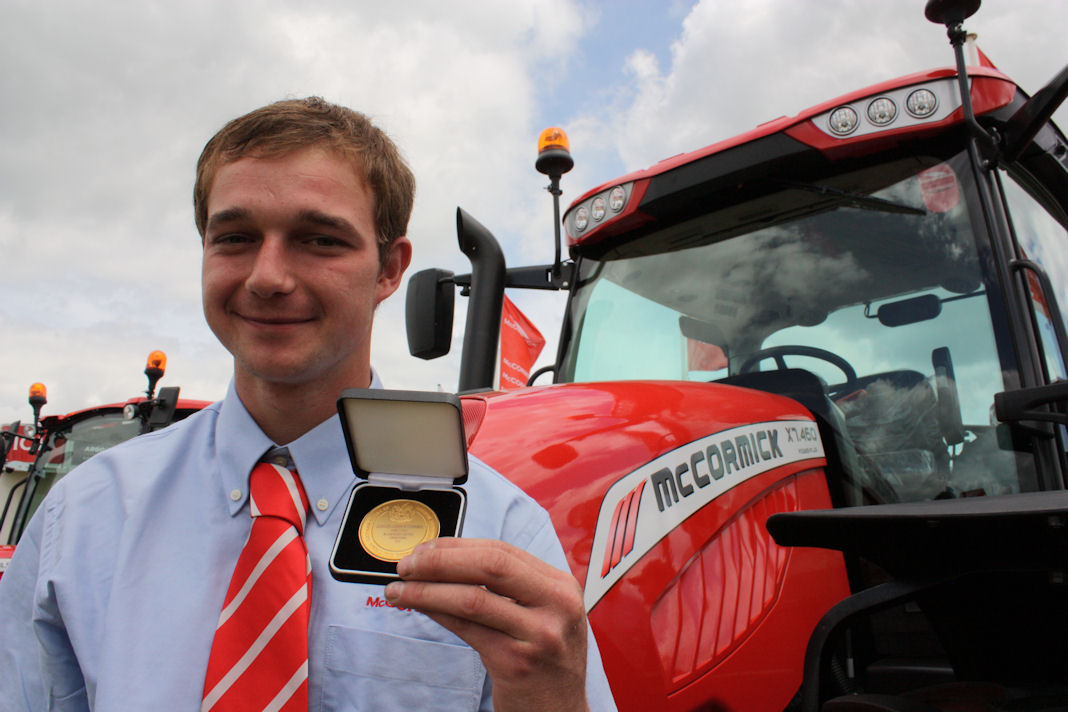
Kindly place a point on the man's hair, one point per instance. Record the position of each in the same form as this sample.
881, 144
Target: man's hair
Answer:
285, 127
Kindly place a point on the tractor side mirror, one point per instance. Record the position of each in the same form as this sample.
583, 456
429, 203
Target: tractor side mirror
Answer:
163, 408
428, 310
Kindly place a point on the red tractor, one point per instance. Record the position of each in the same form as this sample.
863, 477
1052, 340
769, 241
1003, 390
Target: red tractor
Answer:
854, 309
31, 460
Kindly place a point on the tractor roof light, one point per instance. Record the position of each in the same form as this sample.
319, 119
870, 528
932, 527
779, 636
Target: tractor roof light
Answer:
921, 103
882, 111
843, 121
892, 109
582, 218
598, 209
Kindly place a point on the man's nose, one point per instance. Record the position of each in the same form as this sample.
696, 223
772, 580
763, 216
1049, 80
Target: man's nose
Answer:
271, 271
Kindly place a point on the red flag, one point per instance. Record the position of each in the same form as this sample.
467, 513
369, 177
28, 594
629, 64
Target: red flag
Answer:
704, 357
984, 61
19, 457
521, 342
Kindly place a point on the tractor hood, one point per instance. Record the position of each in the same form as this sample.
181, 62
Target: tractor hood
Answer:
620, 465
659, 492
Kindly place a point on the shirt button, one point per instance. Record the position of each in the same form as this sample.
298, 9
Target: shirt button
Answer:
322, 504
235, 494
279, 460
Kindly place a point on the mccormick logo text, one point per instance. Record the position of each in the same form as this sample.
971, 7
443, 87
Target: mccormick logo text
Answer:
644, 506
379, 602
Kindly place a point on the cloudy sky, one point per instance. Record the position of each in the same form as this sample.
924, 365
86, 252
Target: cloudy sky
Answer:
106, 106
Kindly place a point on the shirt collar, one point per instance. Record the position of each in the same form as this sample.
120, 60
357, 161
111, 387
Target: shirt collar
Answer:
320, 455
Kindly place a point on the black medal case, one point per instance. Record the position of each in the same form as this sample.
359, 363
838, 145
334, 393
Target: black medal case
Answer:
409, 451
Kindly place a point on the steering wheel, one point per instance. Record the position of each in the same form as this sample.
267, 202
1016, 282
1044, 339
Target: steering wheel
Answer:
777, 352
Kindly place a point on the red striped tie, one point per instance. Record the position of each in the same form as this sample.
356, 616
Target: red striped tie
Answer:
259, 658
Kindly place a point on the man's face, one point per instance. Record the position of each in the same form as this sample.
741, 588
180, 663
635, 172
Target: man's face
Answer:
291, 272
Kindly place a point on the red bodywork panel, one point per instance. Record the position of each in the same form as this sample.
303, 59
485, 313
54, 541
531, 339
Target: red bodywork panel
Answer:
6, 552
659, 492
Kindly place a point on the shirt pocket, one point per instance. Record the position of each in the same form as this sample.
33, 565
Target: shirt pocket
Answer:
74, 701
372, 670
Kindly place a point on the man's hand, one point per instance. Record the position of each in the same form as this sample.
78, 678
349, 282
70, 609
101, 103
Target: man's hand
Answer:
523, 616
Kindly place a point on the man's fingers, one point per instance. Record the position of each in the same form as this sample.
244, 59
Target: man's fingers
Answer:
503, 569
493, 585
524, 616
517, 639
460, 602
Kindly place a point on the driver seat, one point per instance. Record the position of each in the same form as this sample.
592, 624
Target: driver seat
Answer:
892, 418
859, 485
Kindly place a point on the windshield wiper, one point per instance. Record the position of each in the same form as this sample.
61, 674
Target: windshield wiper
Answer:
855, 200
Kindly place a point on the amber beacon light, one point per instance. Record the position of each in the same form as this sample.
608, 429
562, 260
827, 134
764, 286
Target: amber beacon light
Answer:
38, 397
554, 160
554, 153
154, 369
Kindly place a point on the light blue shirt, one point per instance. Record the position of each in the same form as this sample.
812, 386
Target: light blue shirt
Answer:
111, 600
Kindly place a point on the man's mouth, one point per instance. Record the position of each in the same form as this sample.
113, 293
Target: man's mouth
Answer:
274, 320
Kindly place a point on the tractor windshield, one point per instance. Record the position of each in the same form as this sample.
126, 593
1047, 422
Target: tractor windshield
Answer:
876, 281
63, 453
87, 438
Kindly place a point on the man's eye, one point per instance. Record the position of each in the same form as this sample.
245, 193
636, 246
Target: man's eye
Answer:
324, 241
230, 239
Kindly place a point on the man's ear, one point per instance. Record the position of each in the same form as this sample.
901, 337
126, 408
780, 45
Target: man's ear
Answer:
393, 267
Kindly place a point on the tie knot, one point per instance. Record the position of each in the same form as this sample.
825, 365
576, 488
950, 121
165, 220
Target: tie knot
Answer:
277, 492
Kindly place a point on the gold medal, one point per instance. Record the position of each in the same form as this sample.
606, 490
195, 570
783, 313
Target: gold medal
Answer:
391, 530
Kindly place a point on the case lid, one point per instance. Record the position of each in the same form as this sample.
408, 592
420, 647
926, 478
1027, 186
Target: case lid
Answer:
408, 439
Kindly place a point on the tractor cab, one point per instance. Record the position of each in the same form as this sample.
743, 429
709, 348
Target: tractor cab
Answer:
877, 279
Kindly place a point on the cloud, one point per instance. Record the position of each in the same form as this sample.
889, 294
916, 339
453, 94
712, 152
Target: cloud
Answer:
112, 103
108, 104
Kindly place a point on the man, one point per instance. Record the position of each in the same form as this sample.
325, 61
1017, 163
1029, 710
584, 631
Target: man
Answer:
113, 599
